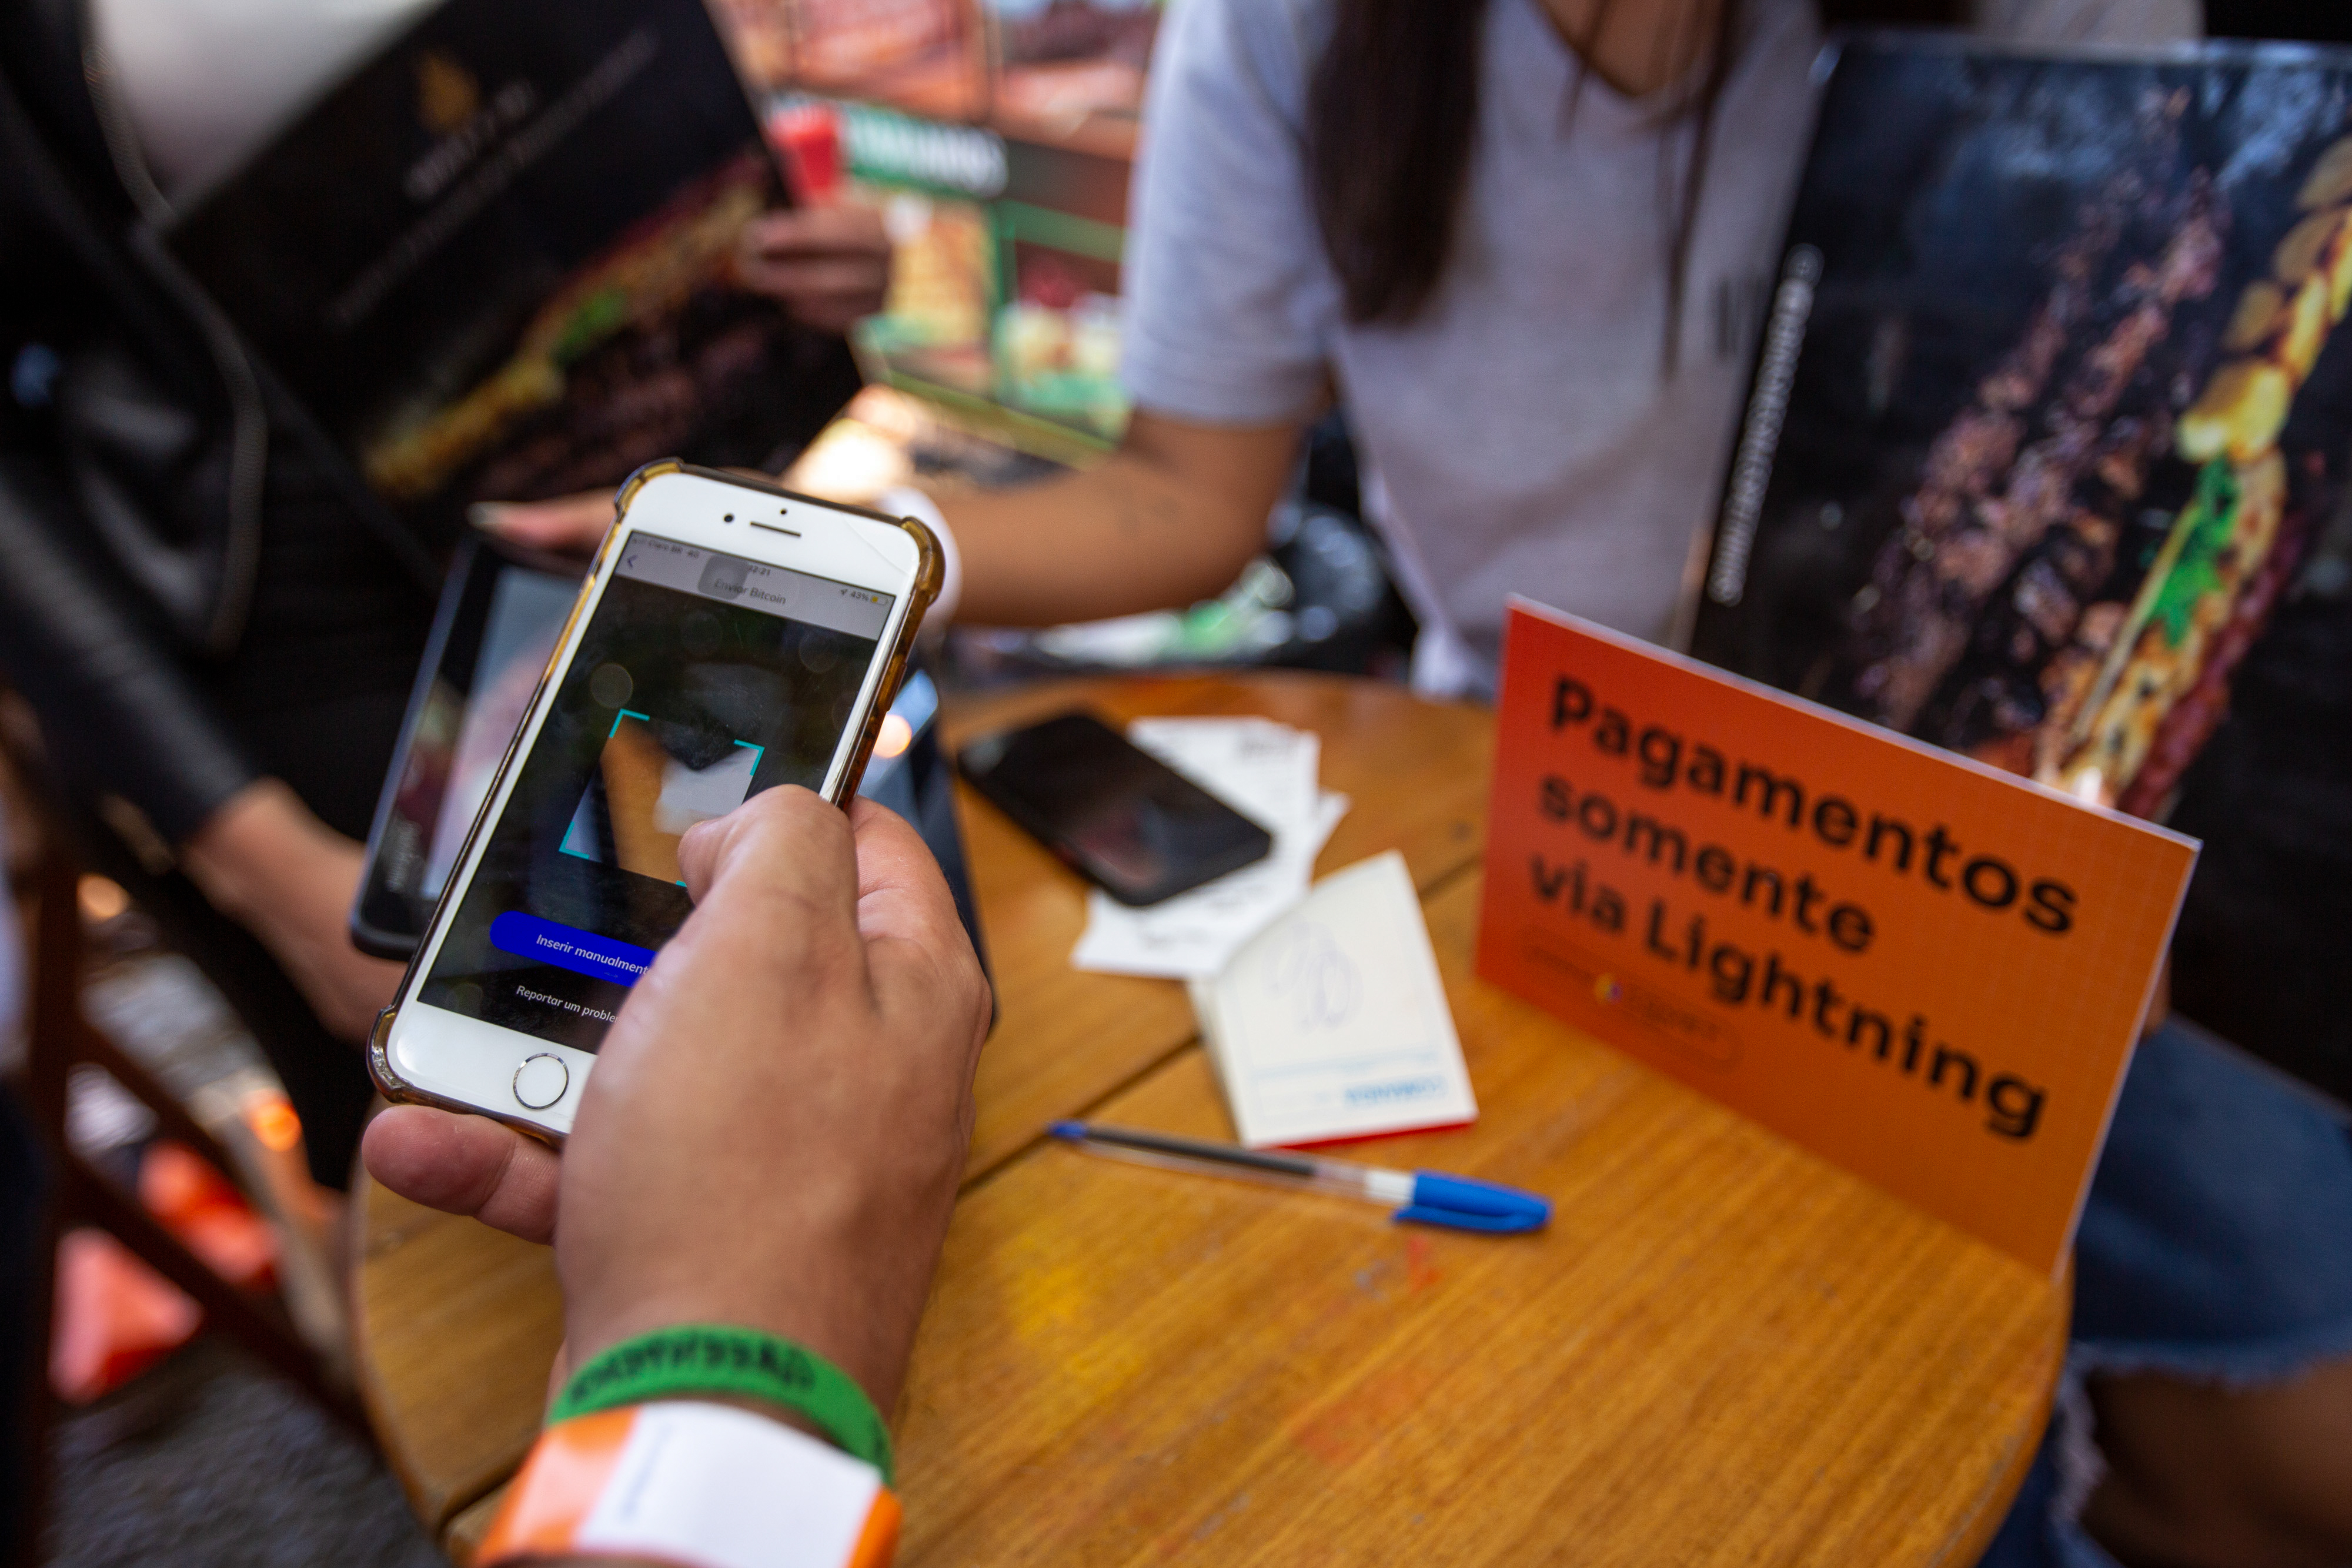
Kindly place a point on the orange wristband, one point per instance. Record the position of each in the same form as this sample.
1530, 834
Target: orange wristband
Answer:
703, 1486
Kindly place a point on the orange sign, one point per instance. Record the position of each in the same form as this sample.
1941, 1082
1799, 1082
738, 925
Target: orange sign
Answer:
1927, 971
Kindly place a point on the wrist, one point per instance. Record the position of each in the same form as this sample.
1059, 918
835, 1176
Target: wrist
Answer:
837, 1336
806, 1267
695, 1484
905, 501
248, 838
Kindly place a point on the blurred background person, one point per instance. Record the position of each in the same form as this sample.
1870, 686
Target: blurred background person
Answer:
218, 643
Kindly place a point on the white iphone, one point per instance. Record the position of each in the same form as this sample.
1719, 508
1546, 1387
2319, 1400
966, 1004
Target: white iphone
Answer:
731, 637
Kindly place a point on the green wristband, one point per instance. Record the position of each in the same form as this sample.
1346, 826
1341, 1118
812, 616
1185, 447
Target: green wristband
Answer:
704, 1359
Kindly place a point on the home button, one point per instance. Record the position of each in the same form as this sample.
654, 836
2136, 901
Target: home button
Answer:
540, 1081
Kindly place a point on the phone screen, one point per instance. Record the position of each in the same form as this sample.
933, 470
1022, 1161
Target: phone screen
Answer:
526, 618
702, 680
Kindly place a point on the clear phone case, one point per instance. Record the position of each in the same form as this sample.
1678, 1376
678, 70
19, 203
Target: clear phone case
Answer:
929, 570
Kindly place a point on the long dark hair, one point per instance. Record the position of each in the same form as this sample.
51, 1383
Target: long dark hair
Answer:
1391, 114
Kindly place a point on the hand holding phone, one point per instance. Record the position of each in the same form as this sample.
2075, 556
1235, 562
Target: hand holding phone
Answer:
731, 637
812, 1041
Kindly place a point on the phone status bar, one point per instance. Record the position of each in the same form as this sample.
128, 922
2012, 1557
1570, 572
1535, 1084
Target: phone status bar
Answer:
755, 585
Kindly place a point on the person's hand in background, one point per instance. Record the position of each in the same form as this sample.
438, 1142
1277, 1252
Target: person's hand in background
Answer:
571, 526
777, 1122
826, 265
265, 861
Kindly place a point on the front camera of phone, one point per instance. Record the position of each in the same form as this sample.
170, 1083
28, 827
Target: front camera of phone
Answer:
727, 518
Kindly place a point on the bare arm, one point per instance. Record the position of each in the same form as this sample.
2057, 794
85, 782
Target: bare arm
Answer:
1171, 518
265, 861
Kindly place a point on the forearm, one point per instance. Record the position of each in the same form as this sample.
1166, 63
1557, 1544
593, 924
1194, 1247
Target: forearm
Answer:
257, 835
1116, 540
266, 863
1171, 518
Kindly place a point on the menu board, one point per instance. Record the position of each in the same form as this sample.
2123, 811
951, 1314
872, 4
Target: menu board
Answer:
928, 57
1039, 69
497, 263
2044, 463
1006, 273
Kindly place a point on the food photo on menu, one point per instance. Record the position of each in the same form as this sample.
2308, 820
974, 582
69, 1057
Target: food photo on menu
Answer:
2044, 463
497, 262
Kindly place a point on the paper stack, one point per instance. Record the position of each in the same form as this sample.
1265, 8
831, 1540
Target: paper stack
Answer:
1265, 771
1332, 1022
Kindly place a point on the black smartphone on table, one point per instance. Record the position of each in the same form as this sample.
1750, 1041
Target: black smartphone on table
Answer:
1112, 812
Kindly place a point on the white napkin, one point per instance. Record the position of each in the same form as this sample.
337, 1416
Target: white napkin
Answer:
1267, 771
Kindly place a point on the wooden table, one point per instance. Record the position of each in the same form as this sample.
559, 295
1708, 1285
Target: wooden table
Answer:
1722, 1351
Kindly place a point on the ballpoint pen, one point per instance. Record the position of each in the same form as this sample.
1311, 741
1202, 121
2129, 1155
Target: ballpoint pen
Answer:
1456, 1202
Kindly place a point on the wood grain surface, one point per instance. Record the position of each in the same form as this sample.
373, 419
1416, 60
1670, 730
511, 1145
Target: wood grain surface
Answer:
1724, 1350
454, 1327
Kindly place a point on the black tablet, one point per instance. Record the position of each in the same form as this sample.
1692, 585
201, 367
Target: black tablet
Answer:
501, 610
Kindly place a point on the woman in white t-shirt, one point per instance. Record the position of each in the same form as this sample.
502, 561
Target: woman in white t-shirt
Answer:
218, 645
1515, 240
1520, 242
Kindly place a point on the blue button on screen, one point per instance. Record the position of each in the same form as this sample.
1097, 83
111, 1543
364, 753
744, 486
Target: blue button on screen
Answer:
582, 951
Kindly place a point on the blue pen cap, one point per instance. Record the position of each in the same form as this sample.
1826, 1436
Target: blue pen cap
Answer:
1460, 1204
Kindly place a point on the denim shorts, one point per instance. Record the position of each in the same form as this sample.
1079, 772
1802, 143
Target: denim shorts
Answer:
2217, 1244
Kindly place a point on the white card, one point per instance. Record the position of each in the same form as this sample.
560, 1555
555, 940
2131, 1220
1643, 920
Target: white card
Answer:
1265, 771
1332, 1021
